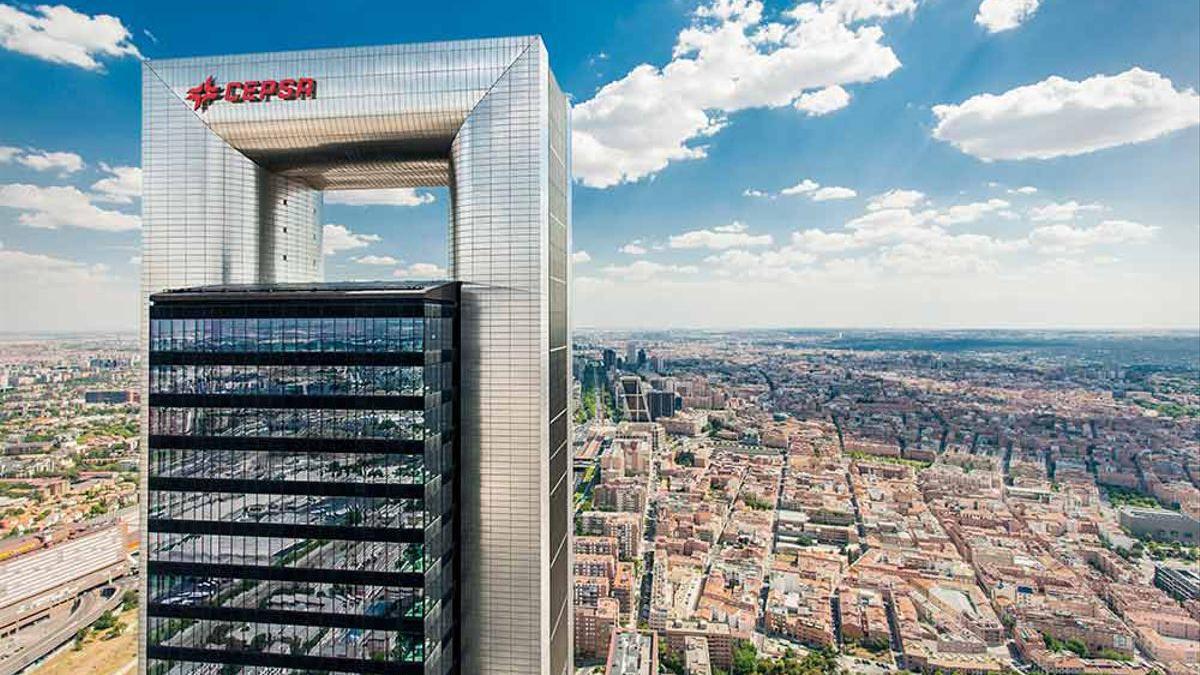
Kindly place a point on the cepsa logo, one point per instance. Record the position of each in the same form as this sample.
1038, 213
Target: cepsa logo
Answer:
251, 91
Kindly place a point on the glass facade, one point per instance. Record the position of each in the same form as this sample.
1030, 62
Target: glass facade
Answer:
302, 480
233, 195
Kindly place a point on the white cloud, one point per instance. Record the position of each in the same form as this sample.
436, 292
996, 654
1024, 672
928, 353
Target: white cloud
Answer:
894, 226
1001, 15
969, 213
939, 253
338, 238
887, 266
376, 260
783, 264
803, 187
734, 235
819, 241
59, 34
633, 248
854, 11
645, 270
1024, 190
914, 242
42, 292
735, 226
728, 60
48, 269
62, 206
122, 185
1055, 212
420, 271
40, 160
379, 197
896, 199
752, 192
1060, 238
833, 192
580, 257
823, 101
1058, 117
817, 193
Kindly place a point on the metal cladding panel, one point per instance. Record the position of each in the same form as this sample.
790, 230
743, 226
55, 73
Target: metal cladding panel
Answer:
232, 195
499, 242
558, 233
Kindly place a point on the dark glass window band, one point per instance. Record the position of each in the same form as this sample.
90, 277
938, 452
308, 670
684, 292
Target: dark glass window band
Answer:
297, 663
295, 574
287, 530
286, 487
287, 617
335, 402
262, 444
418, 358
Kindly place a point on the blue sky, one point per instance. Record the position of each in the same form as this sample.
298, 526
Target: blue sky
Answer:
936, 163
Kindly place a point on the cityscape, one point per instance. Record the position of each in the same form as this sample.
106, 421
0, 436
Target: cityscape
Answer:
966, 502
700, 337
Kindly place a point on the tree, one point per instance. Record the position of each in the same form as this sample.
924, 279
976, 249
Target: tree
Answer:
745, 658
107, 620
669, 660
116, 631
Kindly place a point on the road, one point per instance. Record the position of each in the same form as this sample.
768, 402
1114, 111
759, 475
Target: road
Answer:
91, 605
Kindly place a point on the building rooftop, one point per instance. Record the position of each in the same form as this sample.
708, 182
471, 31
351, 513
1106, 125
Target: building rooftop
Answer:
631, 653
307, 290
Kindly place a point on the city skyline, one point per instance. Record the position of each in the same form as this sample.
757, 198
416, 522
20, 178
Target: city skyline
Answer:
696, 184
836, 503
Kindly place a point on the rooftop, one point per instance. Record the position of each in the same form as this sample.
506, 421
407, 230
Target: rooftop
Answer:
632, 653
307, 290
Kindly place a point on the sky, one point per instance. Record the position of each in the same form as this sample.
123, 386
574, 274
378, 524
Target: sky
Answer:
841, 163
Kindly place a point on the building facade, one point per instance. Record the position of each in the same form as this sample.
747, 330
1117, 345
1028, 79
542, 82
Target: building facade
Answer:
302, 487
1181, 583
1159, 524
634, 404
237, 151
662, 403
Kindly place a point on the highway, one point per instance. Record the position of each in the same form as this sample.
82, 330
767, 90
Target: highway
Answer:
91, 605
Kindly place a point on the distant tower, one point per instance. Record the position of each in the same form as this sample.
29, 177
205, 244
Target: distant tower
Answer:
634, 401
610, 359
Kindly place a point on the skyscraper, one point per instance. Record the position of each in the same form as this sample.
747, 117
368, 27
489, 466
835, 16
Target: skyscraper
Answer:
236, 153
632, 392
661, 403
302, 488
